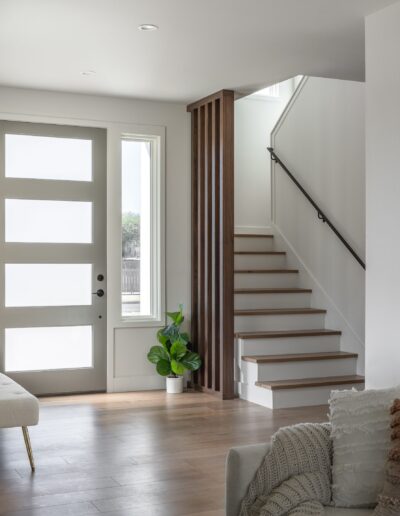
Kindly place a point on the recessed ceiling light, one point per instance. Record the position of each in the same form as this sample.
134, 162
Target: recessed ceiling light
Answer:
147, 27
86, 73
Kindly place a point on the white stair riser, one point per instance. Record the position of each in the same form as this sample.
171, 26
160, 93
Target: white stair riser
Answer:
289, 398
266, 280
279, 322
251, 372
286, 398
290, 300
251, 392
259, 261
254, 244
291, 345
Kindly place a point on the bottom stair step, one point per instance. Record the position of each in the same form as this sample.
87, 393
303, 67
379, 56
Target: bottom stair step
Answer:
272, 368
297, 393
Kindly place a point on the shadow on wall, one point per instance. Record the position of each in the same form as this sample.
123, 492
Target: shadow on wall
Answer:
255, 117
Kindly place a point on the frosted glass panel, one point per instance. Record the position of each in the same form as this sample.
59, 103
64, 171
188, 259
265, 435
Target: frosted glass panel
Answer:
48, 221
38, 349
40, 157
48, 284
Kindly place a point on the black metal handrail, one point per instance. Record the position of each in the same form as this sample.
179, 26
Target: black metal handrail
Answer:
320, 213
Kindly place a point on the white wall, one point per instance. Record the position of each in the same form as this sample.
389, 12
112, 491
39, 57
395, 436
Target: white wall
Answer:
321, 140
383, 198
127, 346
255, 117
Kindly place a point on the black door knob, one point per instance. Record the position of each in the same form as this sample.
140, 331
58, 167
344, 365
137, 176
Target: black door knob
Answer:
99, 292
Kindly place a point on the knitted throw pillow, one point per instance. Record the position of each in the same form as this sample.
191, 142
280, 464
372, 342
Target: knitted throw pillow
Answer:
389, 499
361, 442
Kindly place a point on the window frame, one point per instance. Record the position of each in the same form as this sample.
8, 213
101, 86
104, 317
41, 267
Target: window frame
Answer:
157, 221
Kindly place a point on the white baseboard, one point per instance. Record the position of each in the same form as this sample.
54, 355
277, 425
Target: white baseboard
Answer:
253, 230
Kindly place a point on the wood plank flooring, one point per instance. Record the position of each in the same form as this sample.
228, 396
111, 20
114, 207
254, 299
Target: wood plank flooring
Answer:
143, 453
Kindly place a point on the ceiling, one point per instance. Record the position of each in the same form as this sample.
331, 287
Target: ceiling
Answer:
201, 45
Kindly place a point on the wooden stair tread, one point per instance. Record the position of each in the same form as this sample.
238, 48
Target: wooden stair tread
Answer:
260, 252
249, 235
266, 271
311, 382
280, 311
272, 290
285, 334
298, 357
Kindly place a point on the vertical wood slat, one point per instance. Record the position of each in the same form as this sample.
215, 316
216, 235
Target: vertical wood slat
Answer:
206, 203
226, 241
194, 205
208, 249
212, 241
216, 242
200, 249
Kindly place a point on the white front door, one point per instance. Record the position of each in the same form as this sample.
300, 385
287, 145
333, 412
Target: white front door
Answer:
53, 257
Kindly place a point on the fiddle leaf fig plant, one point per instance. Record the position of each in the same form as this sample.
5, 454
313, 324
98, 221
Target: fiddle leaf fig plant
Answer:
173, 357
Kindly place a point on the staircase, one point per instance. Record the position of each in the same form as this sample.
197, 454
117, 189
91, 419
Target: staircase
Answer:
286, 356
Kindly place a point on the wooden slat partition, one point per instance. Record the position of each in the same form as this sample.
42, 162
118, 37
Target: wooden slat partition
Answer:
212, 241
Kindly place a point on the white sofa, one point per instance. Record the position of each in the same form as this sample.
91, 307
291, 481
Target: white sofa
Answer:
241, 466
18, 408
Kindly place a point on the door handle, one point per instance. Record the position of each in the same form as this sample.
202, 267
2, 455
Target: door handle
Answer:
99, 292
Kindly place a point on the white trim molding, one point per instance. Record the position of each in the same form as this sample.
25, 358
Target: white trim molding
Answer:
156, 138
115, 136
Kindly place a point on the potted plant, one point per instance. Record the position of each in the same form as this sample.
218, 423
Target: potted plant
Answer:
173, 357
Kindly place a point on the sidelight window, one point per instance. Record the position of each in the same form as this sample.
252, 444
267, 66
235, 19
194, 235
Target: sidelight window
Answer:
140, 228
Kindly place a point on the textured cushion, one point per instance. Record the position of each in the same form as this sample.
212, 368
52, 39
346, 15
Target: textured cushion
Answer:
389, 499
336, 511
361, 441
17, 406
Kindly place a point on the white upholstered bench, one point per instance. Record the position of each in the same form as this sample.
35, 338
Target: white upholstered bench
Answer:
18, 408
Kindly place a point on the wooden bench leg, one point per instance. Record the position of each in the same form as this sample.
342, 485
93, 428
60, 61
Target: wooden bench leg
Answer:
28, 446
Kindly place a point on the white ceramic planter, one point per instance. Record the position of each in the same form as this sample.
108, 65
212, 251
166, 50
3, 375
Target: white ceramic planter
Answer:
175, 385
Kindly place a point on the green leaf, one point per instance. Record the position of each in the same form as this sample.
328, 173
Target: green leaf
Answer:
172, 332
163, 367
178, 349
163, 339
174, 316
177, 317
191, 361
156, 354
185, 337
177, 367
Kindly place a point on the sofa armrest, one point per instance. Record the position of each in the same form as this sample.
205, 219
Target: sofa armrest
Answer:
241, 465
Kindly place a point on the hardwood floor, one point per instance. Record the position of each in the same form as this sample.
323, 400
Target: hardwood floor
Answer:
129, 454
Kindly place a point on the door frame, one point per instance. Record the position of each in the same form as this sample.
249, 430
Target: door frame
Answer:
114, 129
87, 379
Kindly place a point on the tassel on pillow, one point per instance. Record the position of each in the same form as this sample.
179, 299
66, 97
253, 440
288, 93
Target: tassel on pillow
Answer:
389, 499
